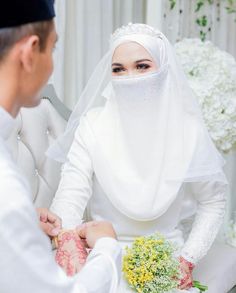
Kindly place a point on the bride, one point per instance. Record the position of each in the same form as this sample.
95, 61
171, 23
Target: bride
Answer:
136, 150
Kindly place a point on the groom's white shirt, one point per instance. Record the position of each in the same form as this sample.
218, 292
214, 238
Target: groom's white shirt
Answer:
26, 261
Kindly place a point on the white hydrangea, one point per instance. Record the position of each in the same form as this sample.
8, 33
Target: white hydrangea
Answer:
212, 76
231, 234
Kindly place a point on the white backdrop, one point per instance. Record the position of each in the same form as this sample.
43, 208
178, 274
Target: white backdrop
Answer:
181, 21
84, 28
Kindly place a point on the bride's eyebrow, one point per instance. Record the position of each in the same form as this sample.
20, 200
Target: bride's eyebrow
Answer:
117, 64
142, 60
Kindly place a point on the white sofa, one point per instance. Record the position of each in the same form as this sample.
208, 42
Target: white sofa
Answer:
37, 128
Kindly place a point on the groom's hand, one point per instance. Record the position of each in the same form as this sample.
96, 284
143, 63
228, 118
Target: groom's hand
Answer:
91, 232
49, 222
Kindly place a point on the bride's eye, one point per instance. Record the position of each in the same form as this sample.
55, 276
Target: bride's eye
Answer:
117, 69
143, 66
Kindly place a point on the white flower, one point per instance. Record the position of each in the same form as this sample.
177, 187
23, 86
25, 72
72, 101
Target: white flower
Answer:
212, 76
231, 234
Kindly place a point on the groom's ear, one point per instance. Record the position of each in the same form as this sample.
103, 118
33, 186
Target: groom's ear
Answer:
10, 37
28, 51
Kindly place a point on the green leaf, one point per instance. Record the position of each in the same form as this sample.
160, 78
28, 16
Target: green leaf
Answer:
202, 21
202, 288
202, 36
199, 5
172, 4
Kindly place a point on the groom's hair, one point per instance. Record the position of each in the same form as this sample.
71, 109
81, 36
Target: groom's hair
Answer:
10, 36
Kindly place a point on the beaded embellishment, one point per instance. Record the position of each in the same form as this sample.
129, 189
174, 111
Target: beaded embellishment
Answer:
135, 28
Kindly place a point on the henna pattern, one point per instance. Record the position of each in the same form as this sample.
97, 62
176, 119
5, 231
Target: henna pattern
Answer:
187, 277
71, 254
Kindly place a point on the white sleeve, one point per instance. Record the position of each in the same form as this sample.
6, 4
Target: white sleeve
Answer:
97, 278
210, 212
75, 188
27, 264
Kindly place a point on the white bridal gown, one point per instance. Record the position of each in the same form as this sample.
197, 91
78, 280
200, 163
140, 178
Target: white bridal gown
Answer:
79, 190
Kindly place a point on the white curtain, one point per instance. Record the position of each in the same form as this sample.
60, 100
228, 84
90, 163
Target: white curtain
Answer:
84, 28
181, 21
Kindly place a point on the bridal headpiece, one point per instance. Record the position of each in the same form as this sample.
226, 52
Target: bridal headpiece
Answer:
135, 28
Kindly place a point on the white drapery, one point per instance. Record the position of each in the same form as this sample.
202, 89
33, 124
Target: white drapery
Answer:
181, 21
84, 28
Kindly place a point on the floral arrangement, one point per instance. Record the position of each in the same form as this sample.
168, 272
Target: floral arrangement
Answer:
231, 234
150, 265
212, 76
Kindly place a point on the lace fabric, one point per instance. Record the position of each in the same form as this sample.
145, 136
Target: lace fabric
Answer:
207, 222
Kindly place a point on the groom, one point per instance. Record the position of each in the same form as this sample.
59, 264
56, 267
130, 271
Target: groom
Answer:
27, 39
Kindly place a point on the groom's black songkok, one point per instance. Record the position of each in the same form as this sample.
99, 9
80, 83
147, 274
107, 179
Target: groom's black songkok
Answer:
14, 13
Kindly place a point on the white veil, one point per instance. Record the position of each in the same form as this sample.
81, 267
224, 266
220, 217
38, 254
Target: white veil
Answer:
149, 136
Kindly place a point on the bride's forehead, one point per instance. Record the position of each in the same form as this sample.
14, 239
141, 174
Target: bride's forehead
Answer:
130, 50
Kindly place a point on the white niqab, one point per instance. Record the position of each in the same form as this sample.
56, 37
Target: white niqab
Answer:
149, 136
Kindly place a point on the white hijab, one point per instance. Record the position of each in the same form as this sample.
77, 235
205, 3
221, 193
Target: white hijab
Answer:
149, 136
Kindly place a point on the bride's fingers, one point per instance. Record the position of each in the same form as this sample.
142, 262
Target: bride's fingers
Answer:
186, 282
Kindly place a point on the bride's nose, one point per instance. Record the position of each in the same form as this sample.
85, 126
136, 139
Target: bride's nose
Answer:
131, 72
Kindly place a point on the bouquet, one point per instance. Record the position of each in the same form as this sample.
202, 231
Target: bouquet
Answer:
150, 266
211, 73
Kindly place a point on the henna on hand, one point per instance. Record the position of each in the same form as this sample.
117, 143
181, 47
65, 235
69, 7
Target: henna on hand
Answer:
186, 268
71, 252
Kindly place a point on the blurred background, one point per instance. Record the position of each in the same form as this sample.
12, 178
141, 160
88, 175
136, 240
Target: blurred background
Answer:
85, 26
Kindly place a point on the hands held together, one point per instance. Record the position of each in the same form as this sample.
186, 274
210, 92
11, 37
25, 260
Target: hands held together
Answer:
74, 245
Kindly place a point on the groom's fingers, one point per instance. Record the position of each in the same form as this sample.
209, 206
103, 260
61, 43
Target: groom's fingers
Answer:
84, 242
47, 216
49, 229
83, 226
82, 229
53, 219
42, 215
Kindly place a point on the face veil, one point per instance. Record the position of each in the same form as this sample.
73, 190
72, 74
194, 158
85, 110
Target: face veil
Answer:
148, 136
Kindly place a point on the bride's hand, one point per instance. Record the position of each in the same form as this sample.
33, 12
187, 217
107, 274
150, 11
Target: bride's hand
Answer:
71, 252
186, 268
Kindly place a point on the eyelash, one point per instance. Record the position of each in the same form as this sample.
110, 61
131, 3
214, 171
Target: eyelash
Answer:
141, 66
117, 69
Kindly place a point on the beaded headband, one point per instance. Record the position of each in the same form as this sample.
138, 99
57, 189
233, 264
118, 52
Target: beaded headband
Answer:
135, 28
